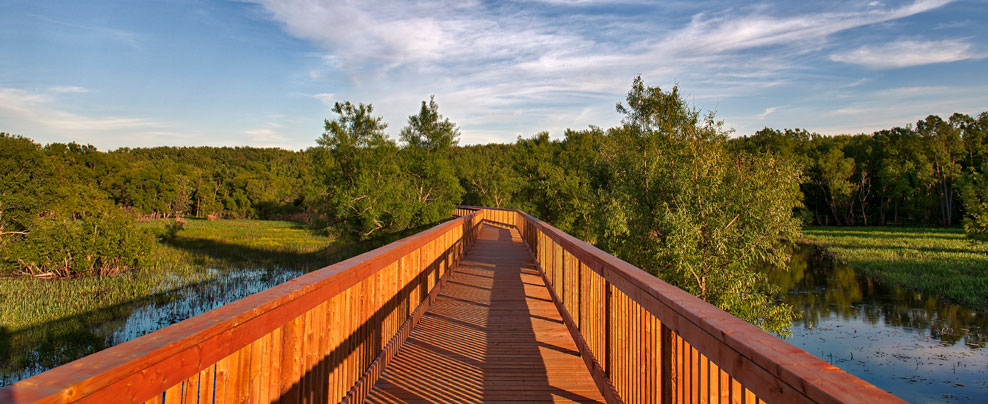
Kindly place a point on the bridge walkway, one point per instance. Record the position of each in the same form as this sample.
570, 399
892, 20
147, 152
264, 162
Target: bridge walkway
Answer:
493, 335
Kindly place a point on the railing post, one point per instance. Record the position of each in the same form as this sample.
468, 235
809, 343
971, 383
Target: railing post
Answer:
579, 296
665, 375
562, 283
607, 328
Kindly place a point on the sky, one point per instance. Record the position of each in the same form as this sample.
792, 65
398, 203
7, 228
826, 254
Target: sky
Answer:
133, 73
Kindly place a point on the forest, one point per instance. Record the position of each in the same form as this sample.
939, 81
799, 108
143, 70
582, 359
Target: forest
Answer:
669, 190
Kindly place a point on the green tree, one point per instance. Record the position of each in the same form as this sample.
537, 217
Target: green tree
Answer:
974, 194
429, 137
487, 175
945, 149
686, 208
366, 191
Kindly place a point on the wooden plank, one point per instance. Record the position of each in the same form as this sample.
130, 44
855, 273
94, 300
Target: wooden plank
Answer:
492, 333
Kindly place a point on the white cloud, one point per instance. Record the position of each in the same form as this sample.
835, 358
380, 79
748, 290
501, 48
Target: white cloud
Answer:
768, 111
731, 32
907, 53
325, 98
69, 89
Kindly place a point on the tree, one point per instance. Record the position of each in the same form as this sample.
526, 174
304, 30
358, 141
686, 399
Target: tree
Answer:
430, 130
680, 204
974, 194
429, 137
366, 191
945, 149
487, 175
833, 172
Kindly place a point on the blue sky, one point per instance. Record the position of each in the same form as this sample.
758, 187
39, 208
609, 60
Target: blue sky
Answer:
266, 72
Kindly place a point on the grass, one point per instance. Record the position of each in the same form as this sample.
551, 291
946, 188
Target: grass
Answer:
939, 261
202, 244
56, 315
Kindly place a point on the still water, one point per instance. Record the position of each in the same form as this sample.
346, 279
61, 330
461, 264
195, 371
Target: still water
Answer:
37, 349
918, 347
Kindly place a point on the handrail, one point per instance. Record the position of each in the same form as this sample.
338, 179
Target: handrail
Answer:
646, 341
323, 336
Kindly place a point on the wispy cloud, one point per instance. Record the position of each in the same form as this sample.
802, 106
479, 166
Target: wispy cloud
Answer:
69, 89
907, 53
37, 109
325, 98
128, 38
768, 111
28, 113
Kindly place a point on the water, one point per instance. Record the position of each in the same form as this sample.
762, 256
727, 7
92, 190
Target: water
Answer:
51, 345
918, 347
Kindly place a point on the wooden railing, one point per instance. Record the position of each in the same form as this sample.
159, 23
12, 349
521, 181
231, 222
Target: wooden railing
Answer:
322, 337
326, 336
646, 341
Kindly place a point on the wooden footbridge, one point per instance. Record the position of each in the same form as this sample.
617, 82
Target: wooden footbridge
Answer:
492, 306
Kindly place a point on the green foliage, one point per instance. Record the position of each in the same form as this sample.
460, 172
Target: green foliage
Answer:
435, 188
26, 188
57, 226
974, 193
429, 130
682, 205
375, 187
895, 176
95, 244
487, 175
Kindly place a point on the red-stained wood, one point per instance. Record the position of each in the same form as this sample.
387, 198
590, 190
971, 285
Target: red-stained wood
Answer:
770, 368
333, 331
492, 334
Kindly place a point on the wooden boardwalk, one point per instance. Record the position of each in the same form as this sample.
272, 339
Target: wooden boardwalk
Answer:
493, 335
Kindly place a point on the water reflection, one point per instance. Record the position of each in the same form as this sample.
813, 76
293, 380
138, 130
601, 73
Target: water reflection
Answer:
33, 350
919, 347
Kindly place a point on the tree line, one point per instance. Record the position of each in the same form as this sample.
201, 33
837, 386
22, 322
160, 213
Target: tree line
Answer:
927, 174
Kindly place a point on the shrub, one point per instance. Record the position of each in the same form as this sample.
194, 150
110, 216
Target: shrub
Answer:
101, 244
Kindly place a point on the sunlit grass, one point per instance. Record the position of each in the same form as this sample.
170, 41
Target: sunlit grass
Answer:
931, 260
202, 244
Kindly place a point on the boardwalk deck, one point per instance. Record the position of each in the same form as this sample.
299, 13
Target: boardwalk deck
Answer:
492, 335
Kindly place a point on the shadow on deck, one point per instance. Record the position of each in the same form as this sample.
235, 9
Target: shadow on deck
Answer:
492, 335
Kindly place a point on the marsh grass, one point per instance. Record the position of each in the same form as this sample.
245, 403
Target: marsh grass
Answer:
46, 322
939, 261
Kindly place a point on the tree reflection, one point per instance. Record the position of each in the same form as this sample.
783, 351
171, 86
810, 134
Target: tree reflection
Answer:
820, 288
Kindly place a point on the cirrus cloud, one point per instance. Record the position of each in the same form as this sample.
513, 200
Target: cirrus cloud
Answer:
907, 53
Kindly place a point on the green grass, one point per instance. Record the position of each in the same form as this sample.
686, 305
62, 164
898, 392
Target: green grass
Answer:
56, 315
202, 244
931, 260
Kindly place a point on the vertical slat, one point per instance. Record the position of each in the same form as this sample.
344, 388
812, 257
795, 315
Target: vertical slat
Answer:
207, 384
704, 382
232, 378
264, 375
749, 397
190, 392
174, 394
220, 381
275, 359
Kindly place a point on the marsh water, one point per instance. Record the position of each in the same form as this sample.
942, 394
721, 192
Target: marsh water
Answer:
36, 349
918, 347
